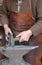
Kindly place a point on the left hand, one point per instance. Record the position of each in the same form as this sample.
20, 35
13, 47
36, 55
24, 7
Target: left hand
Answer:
25, 35
7, 31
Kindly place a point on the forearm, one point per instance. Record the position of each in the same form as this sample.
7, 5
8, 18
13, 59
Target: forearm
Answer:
36, 28
4, 17
4, 20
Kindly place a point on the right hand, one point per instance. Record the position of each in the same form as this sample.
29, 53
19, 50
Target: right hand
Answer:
25, 35
7, 31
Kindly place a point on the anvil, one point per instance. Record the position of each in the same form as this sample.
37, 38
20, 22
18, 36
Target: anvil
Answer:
15, 53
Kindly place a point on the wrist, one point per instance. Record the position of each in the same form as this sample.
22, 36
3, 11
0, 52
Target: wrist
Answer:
30, 32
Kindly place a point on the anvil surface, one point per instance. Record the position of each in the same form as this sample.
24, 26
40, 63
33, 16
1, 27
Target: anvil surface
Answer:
16, 53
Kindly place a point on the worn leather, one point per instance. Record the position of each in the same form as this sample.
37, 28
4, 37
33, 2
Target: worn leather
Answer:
20, 22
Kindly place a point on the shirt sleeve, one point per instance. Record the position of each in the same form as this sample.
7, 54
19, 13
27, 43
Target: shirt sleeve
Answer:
37, 27
4, 17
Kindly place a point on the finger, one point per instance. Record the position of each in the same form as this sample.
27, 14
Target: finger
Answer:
18, 35
10, 32
6, 38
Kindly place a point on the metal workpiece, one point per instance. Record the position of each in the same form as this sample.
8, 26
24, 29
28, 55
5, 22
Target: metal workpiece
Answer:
11, 40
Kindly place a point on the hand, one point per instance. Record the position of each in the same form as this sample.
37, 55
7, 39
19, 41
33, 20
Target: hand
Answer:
7, 30
24, 36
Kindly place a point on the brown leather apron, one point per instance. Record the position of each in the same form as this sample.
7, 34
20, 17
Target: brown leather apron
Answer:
20, 22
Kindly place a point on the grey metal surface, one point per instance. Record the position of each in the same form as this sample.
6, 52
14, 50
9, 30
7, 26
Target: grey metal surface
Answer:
4, 62
16, 53
11, 40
